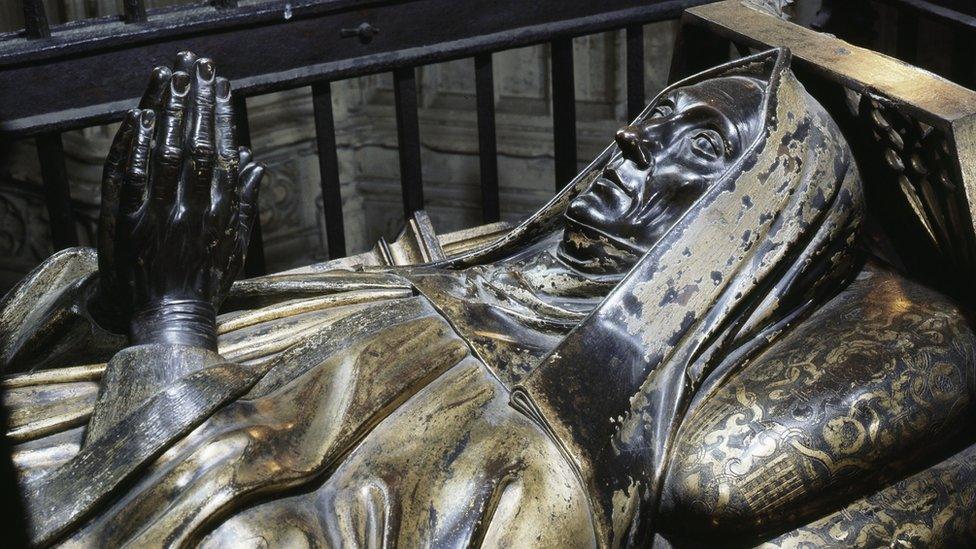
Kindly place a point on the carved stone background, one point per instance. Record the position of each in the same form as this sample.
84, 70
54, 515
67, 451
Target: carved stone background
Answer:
283, 137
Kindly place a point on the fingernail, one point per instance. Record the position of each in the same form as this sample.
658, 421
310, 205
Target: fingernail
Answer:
148, 118
205, 69
223, 88
180, 83
160, 72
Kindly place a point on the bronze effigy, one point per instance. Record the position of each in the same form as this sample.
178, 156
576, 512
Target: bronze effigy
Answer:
700, 339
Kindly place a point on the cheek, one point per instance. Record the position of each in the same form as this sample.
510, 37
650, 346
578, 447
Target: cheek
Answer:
687, 171
668, 180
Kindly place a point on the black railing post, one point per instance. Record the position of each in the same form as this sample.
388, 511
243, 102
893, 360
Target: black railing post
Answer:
961, 66
35, 19
329, 168
906, 37
135, 11
57, 194
487, 144
50, 152
408, 139
563, 110
696, 49
254, 262
636, 94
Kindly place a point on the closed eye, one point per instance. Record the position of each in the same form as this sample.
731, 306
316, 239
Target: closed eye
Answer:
708, 144
662, 110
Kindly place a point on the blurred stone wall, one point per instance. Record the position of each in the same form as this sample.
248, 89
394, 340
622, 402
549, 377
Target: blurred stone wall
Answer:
283, 136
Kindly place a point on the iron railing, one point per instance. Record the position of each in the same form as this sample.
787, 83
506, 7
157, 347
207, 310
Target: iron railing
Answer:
962, 38
81, 73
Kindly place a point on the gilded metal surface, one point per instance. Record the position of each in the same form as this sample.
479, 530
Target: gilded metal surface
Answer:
684, 345
479, 473
44, 320
931, 508
869, 386
533, 295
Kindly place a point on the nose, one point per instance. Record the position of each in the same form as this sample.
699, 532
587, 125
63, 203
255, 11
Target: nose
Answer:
631, 143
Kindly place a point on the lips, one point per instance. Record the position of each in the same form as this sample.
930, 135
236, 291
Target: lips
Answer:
611, 177
610, 182
603, 187
609, 189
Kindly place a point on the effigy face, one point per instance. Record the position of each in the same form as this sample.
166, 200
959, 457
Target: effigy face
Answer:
693, 135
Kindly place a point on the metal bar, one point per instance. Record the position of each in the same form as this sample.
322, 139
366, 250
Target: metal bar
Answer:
563, 110
681, 50
135, 11
695, 49
325, 138
961, 57
742, 49
86, 64
408, 139
906, 37
636, 94
503, 26
487, 144
254, 262
936, 12
57, 194
35, 19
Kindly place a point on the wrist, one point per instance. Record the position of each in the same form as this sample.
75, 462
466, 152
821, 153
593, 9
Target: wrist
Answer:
176, 322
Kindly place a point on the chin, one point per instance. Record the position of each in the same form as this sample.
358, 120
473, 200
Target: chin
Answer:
583, 210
